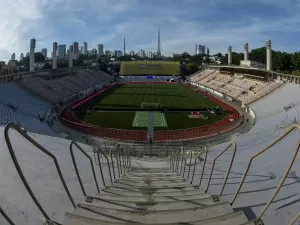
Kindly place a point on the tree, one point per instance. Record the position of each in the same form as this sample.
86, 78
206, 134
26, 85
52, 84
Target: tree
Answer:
39, 57
191, 68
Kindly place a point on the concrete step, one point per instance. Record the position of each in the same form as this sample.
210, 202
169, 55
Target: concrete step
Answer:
152, 183
156, 186
133, 179
170, 216
236, 218
151, 199
143, 193
161, 190
176, 204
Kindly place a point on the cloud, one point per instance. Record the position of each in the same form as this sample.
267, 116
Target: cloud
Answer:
183, 23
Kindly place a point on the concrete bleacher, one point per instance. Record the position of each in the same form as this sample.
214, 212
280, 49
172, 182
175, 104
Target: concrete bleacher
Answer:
238, 87
21, 107
58, 89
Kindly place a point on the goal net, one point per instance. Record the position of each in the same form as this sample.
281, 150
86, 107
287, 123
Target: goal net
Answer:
149, 105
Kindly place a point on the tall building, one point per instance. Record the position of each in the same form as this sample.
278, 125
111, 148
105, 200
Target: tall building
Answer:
61, 51
142, 54
13, 57
100, 49
85, 48
27, 54
81, 49
44, 52
21, 56
107, 53
119, 53
131, 53
94, 51
158, 45
201, 50
149, 54
75, 50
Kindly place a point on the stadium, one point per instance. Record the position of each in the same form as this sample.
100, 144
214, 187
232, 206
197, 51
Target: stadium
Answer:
81, 146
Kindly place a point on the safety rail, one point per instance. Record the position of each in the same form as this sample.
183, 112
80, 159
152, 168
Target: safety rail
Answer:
295, 219
99, 150
287, 132
195, 163
229, 168
6, 217
76, 168
20, 172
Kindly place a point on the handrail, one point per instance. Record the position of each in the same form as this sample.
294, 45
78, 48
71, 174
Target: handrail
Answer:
76, 168
117, 163
198, 157
229, 168
19, 170
203, 168
191, 155
287, 132
100, 167
6, 216
295, 219
112, 163
107, 160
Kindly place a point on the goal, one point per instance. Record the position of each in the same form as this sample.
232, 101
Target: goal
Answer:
149, 105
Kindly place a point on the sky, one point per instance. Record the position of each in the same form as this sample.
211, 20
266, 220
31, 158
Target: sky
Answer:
183, 23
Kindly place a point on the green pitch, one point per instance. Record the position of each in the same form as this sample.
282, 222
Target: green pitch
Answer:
129, 96
141, 119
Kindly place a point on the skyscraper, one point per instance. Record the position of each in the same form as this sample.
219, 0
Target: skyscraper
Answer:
13, 57
27, 54
21, 56
158, 45
44, 52
100, 49
85, 48
61, 51
75, 50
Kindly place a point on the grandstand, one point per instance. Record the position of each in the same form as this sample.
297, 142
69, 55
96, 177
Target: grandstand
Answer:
205, 183
150, 68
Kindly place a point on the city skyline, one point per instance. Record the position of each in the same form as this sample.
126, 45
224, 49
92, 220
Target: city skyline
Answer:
182, 23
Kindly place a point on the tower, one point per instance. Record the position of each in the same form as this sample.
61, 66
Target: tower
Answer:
246, 52
229, 55
124, 47
31, 55
54, 57
71, 51
269, 54
196, 49
158, 45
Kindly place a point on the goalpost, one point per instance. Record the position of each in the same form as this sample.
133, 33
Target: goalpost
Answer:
149, 105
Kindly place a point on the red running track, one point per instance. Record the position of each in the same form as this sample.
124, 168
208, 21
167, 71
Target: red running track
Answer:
231, 121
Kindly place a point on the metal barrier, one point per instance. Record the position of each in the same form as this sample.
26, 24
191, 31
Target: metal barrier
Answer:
203, 168
19, 170
6, 217
76, 168
295, 219
195, 163
229, 168
107, 160
287, 132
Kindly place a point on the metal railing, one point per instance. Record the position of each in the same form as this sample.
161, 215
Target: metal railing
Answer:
195, 163
20, 172
76, 168
99, 150
295, 219
6, 217
229, 168
287, 132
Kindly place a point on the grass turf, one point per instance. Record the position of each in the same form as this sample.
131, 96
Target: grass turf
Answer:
129, 96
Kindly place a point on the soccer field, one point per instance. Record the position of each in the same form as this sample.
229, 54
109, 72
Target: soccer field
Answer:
132, 96
141, 119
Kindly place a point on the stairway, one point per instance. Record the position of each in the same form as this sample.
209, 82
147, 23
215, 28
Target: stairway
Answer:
146, 195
